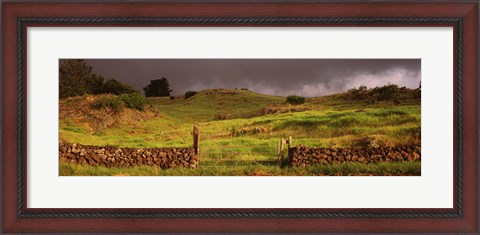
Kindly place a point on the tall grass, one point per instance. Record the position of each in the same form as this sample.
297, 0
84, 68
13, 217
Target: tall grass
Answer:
251, 169
328, 121
326, 127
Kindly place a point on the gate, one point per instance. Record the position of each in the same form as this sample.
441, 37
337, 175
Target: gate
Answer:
238, 156
223, 157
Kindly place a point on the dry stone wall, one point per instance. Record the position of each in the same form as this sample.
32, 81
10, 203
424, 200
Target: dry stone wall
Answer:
305, 156
128, 157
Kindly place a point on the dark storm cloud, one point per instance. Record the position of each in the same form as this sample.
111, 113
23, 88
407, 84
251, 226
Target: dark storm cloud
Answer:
307, 77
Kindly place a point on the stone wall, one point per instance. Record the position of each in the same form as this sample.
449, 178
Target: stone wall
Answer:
305, 156
128, 157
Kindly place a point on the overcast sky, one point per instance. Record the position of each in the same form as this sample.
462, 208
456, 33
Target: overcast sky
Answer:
306, 77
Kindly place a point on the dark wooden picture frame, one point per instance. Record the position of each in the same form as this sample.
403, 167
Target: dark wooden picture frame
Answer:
462, 16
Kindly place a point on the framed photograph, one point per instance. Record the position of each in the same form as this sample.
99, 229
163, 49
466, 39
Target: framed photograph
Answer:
288, 117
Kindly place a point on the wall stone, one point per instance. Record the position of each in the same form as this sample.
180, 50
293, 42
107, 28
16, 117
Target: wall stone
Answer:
109, 156
304, 156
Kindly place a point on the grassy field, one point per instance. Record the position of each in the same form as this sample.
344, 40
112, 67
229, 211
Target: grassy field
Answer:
240, 128
345, 169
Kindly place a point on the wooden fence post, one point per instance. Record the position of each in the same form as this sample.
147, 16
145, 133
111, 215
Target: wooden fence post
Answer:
196, 143
289, 146
280, 152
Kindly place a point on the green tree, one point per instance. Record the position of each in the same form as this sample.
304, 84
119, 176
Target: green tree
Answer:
295, 99
76, 78
189, 94
158, 87
94, 84
360, 93
387, 92
113, 86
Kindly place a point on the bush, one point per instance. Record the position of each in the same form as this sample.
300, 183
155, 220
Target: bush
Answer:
387, 92
114, 103
113, 86
417, 93
295, 99
359, 93
134, 101
118, 103
189, 94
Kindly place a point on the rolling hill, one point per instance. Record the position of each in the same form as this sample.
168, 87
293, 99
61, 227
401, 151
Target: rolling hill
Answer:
230, 117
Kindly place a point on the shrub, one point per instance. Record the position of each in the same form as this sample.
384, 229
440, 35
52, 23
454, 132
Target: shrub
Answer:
172, 97
387, 92
114, 103
134, 101
417, 94
113, 86
189, 94
295, 99
359, 93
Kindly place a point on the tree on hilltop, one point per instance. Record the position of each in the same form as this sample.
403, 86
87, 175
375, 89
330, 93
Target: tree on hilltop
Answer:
157, 87
113, 86
76, 78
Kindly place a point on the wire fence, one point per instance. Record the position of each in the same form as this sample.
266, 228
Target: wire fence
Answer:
216, 154
235, 156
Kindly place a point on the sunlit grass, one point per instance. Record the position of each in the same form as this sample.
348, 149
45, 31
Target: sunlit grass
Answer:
335, 126
329, 121
250, 168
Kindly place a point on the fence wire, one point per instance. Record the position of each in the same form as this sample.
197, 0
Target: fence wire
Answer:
237, 156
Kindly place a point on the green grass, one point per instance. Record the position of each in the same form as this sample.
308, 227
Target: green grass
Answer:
75, 129
328, 121
205, 105
249, 169
328, 128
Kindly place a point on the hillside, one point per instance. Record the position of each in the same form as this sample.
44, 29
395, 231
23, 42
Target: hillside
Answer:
230, 117
77, 117
216, 104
